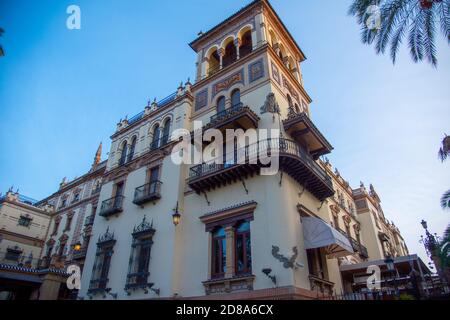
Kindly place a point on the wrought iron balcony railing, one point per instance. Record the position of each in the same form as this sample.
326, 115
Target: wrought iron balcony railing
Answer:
16, 258
227, 112
81, 254
147, 192
112, 206
138, 280
159, 143
98, 285
293, 159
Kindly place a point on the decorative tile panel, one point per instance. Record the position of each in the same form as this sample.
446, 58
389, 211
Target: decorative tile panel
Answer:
201, 99
256, 70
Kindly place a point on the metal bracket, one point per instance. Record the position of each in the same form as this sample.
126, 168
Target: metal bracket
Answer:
206, 198
321, 205
156, 291
245, 187
303, 191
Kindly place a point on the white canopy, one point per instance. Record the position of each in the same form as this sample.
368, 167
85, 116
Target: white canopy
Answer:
318, 234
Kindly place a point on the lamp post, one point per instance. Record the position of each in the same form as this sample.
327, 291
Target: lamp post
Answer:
431, 244
391, 268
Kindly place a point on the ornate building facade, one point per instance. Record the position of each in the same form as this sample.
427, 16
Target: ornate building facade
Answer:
144, 227
225, 230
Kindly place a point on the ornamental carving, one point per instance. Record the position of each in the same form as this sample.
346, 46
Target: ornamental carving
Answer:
144, 227
106, 237
291, 90
271, 105
347, 219
288, 263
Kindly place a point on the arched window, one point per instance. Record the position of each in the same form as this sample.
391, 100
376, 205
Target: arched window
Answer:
132, 149
230, 54
156, 136
219, 253
214, 63
123, 155
290, 101
246, 44
221, 104
243, 249
297, 109
273, 39
166, 132
235, 98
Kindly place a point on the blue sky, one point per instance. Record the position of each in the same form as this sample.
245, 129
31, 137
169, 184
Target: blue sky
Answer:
63, 91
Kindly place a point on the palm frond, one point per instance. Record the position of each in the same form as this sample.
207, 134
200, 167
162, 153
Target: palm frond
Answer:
391, 15
445, 200
429, 40
415, 38
404, 18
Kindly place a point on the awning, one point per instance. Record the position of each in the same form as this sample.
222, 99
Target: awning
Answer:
318, 234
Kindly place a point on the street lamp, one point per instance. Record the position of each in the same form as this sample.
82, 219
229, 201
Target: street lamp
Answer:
77, 247
176, 216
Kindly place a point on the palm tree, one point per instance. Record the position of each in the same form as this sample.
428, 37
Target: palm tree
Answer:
444, 151
398, 18
445, 200
2, 53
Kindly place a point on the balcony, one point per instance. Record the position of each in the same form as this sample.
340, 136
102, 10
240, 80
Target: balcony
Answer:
292, 158
237, 116
147, 193
98, 286
359, 248
89, 221
303, 130
112, 206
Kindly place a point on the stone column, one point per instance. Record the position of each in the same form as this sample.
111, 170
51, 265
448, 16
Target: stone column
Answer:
205, 65
50, 286
229, 231
237, 44
221, 55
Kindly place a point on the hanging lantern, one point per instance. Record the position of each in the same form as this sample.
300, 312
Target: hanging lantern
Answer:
176, 216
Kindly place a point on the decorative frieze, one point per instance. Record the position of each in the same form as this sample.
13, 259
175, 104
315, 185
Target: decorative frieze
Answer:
228, 82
